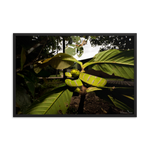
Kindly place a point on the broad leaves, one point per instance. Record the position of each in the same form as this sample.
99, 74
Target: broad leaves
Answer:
55, 102
117, 62
60, 61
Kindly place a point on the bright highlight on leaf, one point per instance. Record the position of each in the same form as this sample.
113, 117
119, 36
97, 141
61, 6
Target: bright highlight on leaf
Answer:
61, 61
54, 102
117, 62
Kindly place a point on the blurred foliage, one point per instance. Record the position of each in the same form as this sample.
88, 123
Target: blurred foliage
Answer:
23, 100
76, 46
51, 83
113, 42
30, 51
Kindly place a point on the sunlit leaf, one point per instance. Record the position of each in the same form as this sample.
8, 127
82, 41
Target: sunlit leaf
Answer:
117, 62
55, 102
61, 61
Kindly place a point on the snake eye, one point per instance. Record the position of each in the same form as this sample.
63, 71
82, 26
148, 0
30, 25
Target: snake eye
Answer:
75, 73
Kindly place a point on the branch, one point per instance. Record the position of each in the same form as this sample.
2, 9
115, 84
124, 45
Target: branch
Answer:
83, 90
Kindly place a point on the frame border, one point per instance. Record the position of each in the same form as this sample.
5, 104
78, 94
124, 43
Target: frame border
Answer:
76, 34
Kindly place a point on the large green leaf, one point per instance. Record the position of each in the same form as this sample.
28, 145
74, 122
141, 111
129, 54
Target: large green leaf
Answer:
61, 61
55, 102
117, 62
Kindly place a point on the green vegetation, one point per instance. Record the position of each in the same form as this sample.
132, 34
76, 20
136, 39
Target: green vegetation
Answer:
37, 56
118, 65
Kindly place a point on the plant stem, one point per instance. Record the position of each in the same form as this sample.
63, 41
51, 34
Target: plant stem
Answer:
81, 104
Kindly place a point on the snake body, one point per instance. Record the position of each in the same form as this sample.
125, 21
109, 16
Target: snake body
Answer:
73, 83
87, 78
93, 80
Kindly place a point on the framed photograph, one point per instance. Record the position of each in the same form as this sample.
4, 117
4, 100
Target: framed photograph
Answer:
74, 75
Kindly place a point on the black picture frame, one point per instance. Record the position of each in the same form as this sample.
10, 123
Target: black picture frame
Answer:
15, 33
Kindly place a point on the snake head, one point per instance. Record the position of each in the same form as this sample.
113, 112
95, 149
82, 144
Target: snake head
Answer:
75, 73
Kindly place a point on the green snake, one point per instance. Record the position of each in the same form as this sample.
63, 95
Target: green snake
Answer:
80, 78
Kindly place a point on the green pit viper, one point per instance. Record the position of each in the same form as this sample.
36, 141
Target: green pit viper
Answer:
81, 78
